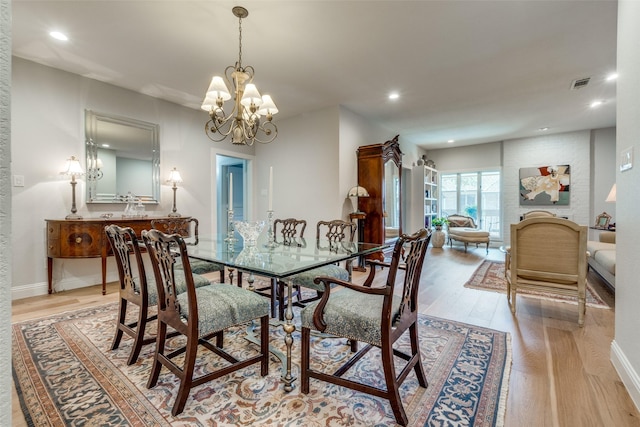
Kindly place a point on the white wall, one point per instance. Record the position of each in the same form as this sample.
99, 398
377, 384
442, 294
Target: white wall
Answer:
571, 148
603, 161
5, 212
47, 119
625, 353
468, 158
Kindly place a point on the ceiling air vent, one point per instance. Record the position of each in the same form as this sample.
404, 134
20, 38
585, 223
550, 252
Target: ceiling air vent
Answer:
580, 83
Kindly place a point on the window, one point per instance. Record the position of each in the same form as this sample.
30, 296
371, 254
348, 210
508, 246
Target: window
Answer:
475, 194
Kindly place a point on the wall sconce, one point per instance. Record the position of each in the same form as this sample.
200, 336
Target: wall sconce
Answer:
94, 169
357, 192
174, 178
73, 169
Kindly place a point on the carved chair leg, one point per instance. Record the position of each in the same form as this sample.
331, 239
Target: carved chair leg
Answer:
157, 366
393, 391
122, 314
304, 363
139, 338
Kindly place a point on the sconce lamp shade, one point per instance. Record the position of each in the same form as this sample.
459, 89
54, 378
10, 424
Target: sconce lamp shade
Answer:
72, 167
612, 195
174, 176
358, 191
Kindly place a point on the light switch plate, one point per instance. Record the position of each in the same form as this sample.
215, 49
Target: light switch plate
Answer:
626, 159
18, 180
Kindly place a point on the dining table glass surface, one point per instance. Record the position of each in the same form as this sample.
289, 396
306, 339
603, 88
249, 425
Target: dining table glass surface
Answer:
279, 260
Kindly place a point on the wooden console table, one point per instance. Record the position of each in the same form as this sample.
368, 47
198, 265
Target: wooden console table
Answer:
85, 238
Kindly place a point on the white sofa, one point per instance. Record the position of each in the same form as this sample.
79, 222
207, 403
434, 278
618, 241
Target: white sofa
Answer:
602, 256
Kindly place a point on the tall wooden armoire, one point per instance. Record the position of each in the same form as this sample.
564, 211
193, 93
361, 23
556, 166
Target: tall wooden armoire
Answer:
379, 171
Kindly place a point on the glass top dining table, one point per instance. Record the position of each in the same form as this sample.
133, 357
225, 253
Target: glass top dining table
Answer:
278, 260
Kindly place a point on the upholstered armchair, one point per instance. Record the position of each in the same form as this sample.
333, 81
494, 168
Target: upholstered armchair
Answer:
548, 254
537, 214
377, 316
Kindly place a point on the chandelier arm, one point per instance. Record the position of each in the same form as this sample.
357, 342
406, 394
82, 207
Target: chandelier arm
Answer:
269, 129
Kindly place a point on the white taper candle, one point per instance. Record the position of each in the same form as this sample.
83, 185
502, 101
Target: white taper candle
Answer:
230, 191
270, 188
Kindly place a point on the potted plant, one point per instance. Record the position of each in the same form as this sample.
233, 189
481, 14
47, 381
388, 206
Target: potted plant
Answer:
439, 222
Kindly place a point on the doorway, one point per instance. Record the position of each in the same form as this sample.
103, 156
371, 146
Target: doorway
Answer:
231, 179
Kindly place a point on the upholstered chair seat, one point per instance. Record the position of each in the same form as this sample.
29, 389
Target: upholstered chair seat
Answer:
306, 279
352, 315
221, 306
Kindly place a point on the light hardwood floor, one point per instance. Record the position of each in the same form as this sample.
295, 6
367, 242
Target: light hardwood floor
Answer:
561, 374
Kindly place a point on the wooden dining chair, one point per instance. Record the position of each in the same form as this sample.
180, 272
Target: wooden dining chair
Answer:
135, 288
187, 227
200, 314
332, 234
375, 316
288, 232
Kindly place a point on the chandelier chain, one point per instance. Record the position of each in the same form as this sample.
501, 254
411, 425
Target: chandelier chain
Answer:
240, 42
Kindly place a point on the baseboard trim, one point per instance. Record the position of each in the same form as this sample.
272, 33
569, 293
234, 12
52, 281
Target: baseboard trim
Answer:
627, 374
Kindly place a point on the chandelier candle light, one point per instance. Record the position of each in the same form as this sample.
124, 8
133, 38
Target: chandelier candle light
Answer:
175, 178
73, 168
244, 121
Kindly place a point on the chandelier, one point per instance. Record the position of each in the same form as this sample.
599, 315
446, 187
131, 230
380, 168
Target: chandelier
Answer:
250, 120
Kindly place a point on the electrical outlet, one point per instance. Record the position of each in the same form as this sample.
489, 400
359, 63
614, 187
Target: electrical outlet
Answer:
18, 180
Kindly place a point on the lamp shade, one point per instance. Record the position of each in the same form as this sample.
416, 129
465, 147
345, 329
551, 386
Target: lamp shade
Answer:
358, 191
612, 195
174, 176
72, 167
218, 89
268, 106
251, 96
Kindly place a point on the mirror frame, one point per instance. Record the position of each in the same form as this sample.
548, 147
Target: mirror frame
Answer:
92, 119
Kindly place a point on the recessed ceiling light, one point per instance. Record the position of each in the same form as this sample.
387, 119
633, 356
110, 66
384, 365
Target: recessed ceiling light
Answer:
598, 103
105, 145
451, 141
543, 129
59, 36
612, 76
394, 95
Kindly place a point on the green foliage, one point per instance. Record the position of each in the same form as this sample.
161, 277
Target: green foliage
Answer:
439, 221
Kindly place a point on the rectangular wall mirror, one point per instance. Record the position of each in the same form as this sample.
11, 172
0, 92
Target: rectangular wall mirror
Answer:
123, 156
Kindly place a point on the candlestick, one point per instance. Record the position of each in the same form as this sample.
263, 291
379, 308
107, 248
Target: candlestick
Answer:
230, 229
271, 243
231, 192
270, 188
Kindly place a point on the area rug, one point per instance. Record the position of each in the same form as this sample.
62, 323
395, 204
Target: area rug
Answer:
65, 374
489, 276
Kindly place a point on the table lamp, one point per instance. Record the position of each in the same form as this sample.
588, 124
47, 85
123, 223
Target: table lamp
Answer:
73, 168
174, 178
357, 192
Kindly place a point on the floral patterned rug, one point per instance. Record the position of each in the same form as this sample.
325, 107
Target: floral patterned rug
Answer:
489, 276
65, 374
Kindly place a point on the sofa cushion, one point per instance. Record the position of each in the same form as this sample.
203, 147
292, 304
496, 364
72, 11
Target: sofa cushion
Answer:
606, 259
467, 234
593, 247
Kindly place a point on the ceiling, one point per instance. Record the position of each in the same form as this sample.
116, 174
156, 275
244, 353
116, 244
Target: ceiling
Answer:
472, 71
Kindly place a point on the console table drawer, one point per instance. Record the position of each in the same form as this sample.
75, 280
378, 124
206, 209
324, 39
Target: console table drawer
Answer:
73, 240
